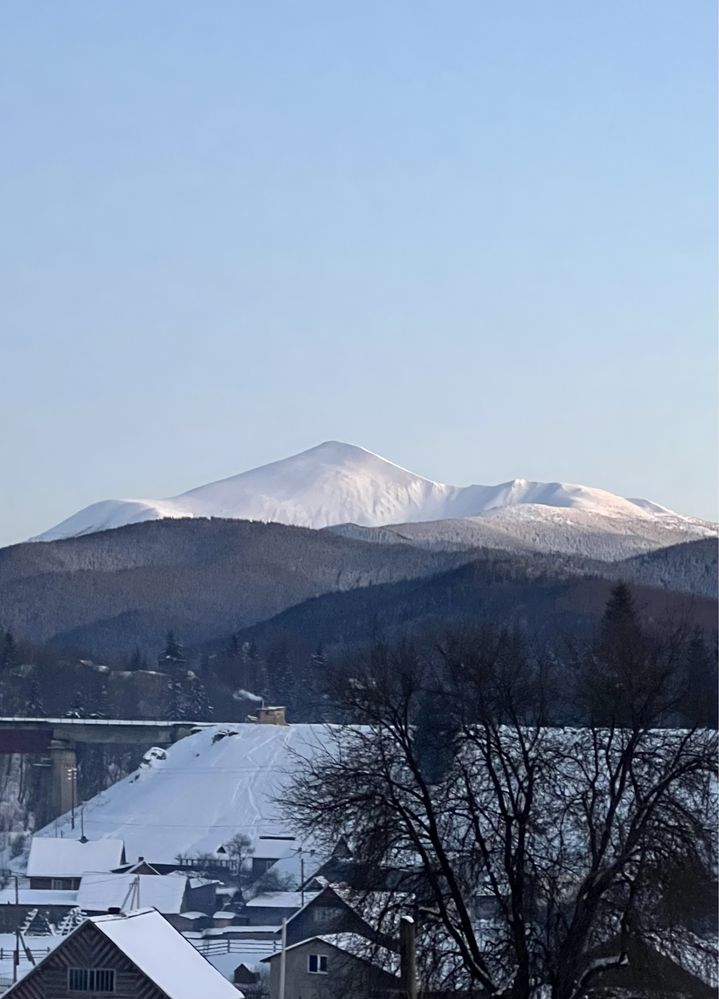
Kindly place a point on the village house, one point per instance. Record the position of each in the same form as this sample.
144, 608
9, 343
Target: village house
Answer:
133, 956
331, 965
270, 908
268, 850
173, 895
59, 864
335, 909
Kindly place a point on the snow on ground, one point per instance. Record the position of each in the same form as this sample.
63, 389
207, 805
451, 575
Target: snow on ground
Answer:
40, 947
336, 483
211, 785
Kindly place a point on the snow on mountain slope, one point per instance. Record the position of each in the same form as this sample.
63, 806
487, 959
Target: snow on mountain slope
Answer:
531, 527
196, 795
337, 483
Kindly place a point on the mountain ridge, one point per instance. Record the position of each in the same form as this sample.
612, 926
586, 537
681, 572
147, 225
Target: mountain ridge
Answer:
335, 483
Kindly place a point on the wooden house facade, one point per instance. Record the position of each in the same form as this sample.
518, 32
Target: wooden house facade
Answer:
134, 956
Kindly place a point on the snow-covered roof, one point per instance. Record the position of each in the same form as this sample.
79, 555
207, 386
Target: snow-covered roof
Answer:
281, 899
272, 848
100, 892
70, 858
355, 945
161, 953
36, 896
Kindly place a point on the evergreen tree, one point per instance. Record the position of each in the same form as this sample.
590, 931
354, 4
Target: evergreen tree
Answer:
198, 701
177, 708
136, 660
620, 626
172, 656
701, 683
77, 708
8, 653
33, 706
101, 705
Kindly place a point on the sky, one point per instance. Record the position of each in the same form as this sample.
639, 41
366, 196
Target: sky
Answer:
478, 238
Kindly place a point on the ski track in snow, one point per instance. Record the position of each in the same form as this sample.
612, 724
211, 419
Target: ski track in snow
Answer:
201, 795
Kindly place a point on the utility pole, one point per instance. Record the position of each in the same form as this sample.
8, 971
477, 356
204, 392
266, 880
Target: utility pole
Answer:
408, 957
16, 955
72, 777
302, 872
302, 878
16, 952
283, 960
83, 837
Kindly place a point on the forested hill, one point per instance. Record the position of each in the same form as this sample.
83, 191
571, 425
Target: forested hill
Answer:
481, 592
106, 593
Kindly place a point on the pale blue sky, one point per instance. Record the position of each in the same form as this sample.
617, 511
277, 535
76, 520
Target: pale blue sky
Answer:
476, 237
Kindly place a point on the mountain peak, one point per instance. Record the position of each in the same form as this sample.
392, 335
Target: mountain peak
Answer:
338, 483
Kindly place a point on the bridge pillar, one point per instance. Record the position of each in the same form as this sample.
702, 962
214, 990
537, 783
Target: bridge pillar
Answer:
63, 769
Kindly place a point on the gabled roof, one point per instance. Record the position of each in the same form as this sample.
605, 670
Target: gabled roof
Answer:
139, 867
160, 952
70, 858
274, 847
100, 892
356, 946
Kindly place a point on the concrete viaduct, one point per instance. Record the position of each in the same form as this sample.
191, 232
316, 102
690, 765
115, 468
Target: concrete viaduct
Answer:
55, 741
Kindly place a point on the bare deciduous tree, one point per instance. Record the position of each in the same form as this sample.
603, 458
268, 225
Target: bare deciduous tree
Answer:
533, 853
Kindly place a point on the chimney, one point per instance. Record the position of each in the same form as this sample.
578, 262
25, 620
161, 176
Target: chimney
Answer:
274, 715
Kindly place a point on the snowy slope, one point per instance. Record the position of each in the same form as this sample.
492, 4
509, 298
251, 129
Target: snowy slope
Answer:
531, 527
337, 483
201, 793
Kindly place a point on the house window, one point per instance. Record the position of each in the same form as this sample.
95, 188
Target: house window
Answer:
90, 980
325, 914
317, 964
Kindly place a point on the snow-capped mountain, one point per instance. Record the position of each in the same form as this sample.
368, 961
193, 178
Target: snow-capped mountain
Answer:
336, 483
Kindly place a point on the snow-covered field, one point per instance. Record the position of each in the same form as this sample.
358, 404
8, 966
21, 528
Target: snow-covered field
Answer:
336, 483
199, 793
